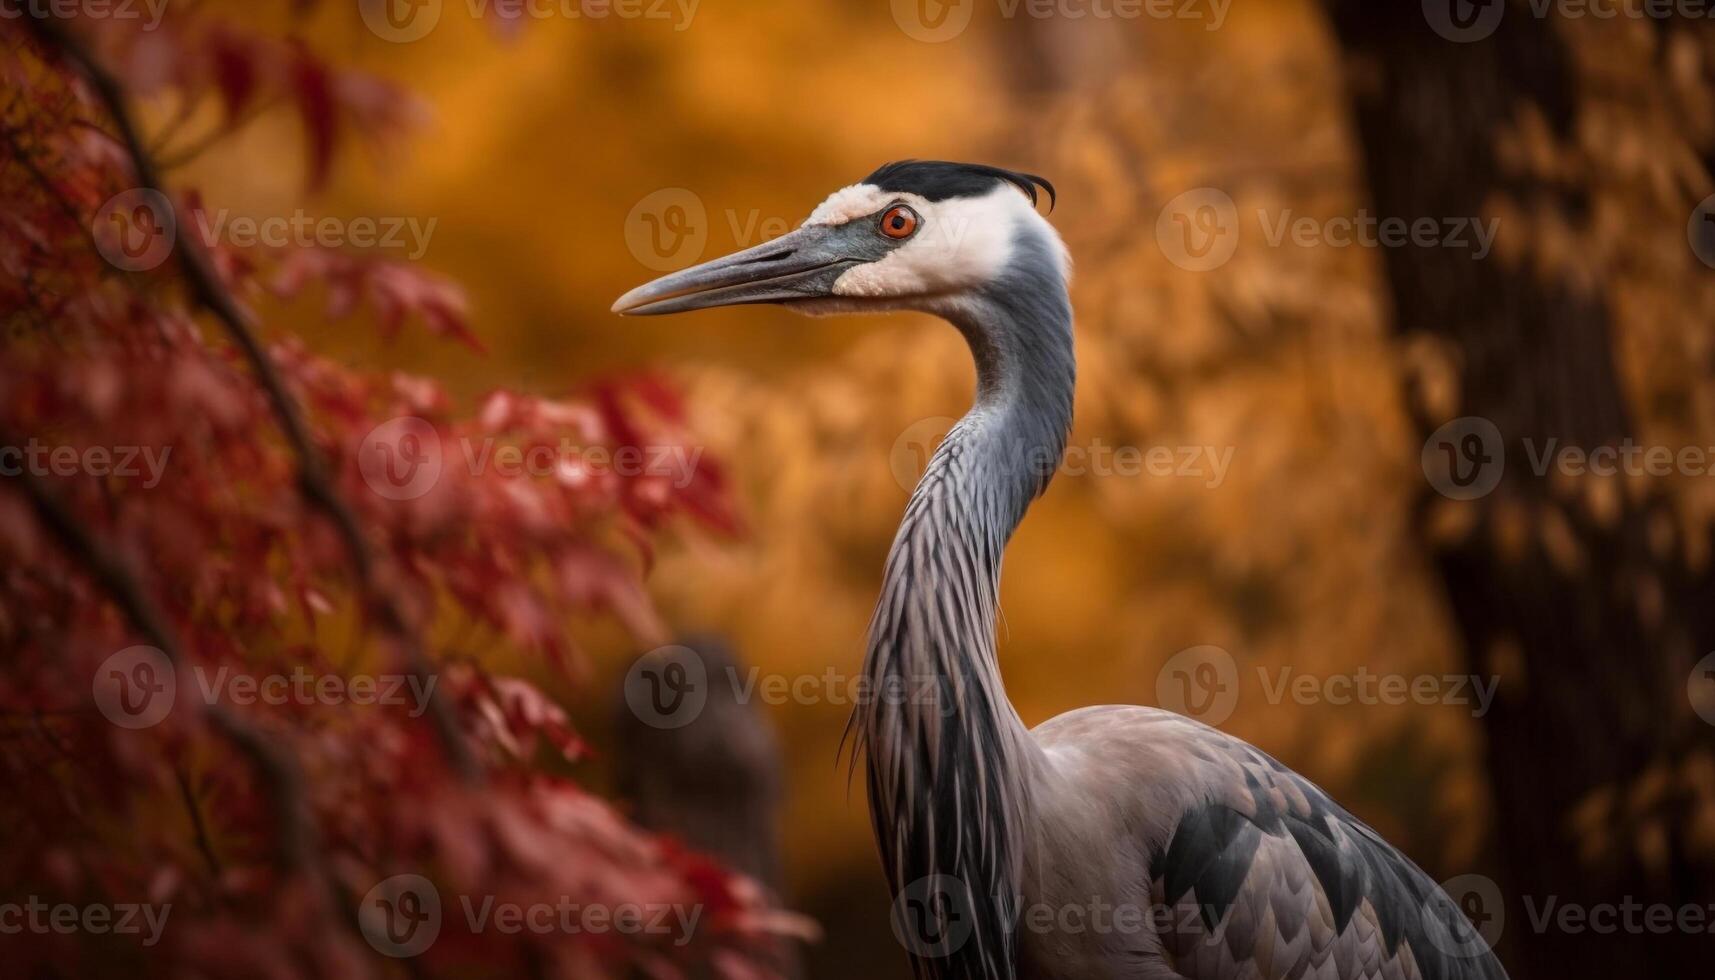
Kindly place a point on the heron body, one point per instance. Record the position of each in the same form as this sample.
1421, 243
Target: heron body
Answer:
1113, 841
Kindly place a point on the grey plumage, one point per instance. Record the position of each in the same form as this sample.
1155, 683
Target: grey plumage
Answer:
1238, 868
948, 785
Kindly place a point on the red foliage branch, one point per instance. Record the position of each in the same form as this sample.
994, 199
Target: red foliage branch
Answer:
207, 291
266, 541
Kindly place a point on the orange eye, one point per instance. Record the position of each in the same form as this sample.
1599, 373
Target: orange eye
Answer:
899, 222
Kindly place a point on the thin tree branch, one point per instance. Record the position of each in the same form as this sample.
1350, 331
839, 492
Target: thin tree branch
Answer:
196, 147
313, 481
199, 826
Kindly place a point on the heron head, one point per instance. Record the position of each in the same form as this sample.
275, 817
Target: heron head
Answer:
912, 235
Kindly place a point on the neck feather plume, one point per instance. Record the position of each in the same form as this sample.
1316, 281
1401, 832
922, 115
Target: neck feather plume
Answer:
950, 765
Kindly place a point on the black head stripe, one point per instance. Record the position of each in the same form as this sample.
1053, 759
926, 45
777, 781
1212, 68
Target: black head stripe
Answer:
937, 180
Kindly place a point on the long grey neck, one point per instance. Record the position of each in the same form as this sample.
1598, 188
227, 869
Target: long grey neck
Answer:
950, 764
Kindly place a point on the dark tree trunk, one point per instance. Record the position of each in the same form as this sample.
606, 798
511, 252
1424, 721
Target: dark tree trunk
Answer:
1578, 594
710, 771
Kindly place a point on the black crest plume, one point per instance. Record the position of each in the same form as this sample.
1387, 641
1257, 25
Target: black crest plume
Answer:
937, 180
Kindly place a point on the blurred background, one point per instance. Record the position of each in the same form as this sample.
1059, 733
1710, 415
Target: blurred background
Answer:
1302, 383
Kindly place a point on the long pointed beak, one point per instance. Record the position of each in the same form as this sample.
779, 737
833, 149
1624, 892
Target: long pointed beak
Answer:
801, 264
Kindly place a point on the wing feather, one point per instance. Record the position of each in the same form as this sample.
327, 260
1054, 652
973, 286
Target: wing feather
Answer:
1278, 882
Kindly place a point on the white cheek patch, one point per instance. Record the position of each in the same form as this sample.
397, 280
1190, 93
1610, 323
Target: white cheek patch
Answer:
963, 242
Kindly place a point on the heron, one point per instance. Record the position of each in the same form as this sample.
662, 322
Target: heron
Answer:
1005, 844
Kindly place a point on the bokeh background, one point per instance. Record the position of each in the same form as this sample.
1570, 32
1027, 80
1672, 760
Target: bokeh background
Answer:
550, 145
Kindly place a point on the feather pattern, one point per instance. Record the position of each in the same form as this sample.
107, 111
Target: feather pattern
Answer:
949, 762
